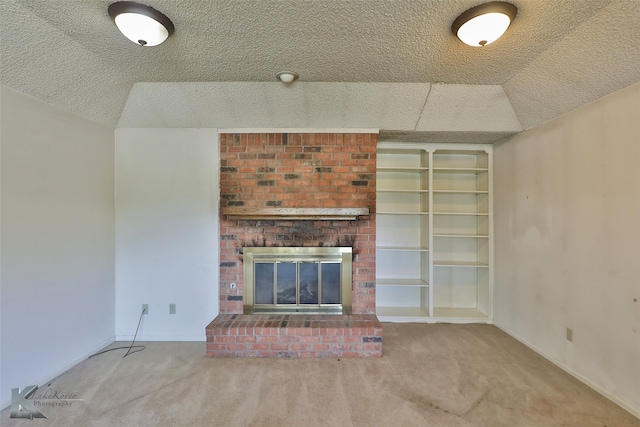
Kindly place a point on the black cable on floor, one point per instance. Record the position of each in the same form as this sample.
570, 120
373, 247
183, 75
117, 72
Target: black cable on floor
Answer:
140, 347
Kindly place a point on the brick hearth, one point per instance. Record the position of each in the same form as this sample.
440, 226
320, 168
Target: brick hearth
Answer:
261, 335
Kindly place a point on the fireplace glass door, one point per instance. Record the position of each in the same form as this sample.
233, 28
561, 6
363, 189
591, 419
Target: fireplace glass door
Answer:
297, 280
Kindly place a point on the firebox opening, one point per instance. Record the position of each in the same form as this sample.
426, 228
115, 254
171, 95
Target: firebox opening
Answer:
297, 280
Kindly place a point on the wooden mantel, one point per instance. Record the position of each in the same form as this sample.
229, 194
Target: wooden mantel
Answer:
294, 213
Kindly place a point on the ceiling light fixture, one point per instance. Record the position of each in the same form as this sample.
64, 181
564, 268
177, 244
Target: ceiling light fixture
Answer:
484, 24
287, 76
141, 24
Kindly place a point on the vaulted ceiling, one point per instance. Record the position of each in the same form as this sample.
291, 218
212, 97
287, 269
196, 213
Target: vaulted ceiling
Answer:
388, 64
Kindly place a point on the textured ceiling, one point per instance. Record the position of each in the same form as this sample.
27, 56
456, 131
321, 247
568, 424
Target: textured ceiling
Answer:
557, 55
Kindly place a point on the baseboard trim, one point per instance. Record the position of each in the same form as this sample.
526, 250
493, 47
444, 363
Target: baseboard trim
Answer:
162, 337
64, 369
629, 408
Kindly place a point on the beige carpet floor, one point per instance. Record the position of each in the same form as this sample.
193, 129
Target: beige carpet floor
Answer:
430, 375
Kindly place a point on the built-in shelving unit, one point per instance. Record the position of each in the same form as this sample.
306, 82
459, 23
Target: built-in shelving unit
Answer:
434, 244
402, 217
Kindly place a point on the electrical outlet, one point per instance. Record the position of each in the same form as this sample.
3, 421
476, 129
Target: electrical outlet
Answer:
570, 334
145, 308
172, 309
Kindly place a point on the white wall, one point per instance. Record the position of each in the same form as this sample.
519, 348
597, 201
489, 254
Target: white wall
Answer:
57, 286
166, 232
567, 242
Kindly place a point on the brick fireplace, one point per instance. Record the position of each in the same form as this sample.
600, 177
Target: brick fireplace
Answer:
297, 190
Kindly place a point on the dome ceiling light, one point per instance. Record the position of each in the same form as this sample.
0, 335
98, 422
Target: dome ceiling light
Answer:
287, 76
484, 24
141, 24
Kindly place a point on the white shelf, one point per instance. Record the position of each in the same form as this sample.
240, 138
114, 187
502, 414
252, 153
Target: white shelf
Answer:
459, 264
402, 170
389, 190
402, 213
462, 235
402, 282
403, 248
441, 315
466, 313
419, 312
435, 190
462, 213
471, 171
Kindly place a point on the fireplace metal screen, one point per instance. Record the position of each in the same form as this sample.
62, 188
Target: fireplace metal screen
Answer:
297, 280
